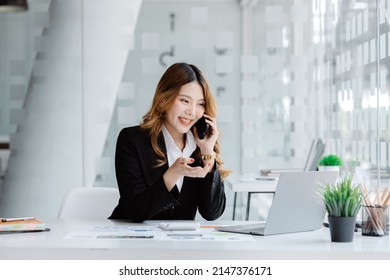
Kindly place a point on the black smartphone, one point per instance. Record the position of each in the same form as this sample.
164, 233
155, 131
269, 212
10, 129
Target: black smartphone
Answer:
202, 127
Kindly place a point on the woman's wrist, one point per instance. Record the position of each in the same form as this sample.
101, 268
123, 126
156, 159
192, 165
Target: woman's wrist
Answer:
205, 152
207, 159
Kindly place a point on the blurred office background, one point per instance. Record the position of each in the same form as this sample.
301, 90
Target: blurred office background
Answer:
74, 72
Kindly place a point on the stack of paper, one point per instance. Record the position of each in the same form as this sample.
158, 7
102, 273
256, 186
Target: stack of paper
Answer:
21, 225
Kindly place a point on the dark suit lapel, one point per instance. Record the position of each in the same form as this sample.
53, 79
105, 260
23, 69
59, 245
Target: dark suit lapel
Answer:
156, 171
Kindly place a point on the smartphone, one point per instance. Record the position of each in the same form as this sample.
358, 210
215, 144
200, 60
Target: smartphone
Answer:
202, 127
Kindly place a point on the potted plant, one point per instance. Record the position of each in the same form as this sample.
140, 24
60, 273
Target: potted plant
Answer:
343, 201
330, 163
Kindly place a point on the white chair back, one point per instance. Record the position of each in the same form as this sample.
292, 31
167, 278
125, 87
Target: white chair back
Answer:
89, 203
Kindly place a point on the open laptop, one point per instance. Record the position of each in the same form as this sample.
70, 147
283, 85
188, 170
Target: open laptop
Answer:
296, 206
316, 151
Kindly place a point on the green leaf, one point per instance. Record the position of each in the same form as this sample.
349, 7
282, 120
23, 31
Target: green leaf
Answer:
330, 160
343, 199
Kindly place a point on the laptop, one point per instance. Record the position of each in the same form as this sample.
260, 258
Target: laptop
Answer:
316, 151
296, 206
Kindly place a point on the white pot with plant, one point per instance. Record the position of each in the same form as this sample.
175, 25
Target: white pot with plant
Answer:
330, 163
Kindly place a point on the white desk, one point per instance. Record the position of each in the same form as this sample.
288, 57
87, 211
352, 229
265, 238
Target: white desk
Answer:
307, 245
249, 185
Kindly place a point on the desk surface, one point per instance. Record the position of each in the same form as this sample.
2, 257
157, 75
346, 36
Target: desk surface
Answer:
251, 184
306, 245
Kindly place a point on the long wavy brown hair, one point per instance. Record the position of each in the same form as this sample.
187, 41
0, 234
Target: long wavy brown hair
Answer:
166, 92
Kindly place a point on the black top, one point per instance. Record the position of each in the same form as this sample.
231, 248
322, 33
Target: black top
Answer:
143, 194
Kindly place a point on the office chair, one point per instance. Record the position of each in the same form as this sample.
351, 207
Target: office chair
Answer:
89, 203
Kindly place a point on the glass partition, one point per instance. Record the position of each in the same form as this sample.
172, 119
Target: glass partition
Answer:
322, 73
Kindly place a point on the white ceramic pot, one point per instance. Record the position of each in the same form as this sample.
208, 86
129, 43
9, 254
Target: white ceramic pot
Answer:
329, 168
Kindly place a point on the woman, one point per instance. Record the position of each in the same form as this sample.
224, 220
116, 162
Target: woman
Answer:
164, 170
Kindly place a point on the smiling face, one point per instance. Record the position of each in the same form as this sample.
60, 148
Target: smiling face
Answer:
188, 107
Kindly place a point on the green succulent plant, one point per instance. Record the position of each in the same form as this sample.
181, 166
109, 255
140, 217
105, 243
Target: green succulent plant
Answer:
343, 199
330, 160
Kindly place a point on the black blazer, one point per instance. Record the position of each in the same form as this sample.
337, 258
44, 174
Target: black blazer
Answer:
143, 194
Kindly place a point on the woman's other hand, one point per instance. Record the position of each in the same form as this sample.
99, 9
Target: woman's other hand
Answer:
181, 167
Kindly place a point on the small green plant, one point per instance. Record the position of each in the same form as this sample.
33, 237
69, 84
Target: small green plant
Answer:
343, 199
330, 160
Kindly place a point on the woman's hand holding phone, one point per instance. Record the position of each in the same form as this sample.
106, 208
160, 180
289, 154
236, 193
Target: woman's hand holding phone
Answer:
207, 144
202, 127
206, 128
